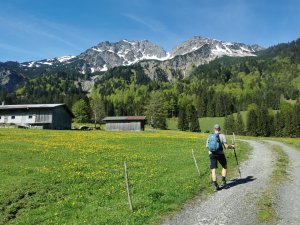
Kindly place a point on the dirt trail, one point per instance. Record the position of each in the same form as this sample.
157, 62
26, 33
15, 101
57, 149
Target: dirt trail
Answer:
288, 201
235, 205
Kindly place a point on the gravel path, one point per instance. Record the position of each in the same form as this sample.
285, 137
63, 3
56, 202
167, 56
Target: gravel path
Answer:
235, 205
289, 194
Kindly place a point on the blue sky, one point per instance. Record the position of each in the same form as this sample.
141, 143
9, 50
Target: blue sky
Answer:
39, 29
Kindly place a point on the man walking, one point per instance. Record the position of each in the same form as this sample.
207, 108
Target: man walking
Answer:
215, 143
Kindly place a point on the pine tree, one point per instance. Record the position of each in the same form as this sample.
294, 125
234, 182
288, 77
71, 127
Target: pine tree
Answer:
278, 125
189, 109
263, 122
286, 111
252, 122
239, 124
202, 107
295, 131
288, 122
226, 124
194, 121
229, 124
183, 123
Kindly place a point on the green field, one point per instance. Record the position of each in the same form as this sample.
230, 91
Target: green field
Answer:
77, 177
206, 123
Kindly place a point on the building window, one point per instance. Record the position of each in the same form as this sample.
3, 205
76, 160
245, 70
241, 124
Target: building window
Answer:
13, 117
29, 117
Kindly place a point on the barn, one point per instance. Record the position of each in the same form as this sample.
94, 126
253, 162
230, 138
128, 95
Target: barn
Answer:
38, 116
130, 123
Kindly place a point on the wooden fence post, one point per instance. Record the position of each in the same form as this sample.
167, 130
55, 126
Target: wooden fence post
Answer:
196, 162
127, 186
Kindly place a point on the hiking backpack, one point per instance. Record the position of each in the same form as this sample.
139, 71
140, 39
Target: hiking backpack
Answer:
214, 143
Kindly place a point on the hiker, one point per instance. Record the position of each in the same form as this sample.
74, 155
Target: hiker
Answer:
215, 143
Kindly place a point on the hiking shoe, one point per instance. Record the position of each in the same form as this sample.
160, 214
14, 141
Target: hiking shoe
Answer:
217, 188
224, 185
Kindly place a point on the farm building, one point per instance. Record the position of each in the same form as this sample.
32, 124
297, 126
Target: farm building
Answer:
131, 123
38, 116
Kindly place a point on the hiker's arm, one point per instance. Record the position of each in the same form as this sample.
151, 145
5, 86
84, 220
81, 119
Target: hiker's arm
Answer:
228, 146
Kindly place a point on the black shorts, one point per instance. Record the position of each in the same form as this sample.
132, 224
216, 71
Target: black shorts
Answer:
215, 158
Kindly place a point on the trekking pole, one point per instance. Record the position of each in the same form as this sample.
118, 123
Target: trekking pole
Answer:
210, 175
237, 163
195, 161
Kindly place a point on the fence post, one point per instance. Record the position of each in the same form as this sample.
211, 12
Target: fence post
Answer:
127, 186
196, 162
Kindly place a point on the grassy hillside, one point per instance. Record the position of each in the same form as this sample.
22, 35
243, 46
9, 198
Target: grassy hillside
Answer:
76, 177
206, 123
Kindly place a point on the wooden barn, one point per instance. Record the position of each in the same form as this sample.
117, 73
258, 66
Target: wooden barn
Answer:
38, 116
130, 123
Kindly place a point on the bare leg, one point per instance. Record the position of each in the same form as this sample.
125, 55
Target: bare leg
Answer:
224, 172
213, 175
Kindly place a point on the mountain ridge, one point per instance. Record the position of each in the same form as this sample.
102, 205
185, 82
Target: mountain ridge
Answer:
107, 54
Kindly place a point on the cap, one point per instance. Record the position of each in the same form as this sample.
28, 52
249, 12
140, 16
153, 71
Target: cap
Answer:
217, 127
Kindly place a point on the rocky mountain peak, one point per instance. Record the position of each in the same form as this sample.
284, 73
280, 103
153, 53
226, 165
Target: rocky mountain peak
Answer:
105, 55
109, 54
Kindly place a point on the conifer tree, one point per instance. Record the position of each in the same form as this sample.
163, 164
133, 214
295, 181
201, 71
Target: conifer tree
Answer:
183, 123
288, 123
295, 131
252, 122
194, 122
278, 125
229, 124
263, 122
239, 124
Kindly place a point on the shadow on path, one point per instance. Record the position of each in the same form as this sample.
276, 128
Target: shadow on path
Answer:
235, 182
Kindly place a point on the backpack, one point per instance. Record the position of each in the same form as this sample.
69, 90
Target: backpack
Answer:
214, 143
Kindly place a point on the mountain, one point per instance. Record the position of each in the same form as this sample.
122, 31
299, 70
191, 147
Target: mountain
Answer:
48, 62
9, 80
218, 48
153, 59
123, 53
106, 55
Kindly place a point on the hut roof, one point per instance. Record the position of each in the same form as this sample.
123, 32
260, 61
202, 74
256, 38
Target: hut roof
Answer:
36, 106
125, 118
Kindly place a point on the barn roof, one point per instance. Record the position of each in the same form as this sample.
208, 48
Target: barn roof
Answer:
36, 106
125, 118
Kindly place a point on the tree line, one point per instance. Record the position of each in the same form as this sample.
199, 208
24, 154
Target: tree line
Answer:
262, 121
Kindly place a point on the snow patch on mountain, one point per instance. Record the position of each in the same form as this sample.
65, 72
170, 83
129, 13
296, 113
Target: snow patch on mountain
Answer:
104, 68
65, 58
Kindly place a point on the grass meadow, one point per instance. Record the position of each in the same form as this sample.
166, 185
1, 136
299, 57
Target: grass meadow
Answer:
206, 123
77, 177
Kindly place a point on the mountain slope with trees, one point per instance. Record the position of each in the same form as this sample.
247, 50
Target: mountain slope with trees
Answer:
219, 88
